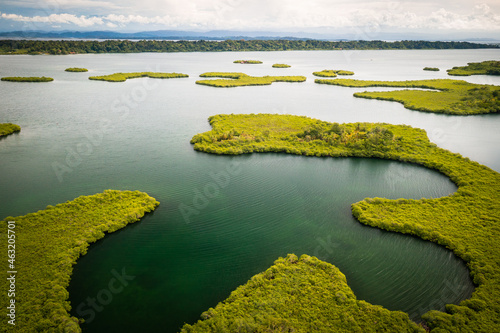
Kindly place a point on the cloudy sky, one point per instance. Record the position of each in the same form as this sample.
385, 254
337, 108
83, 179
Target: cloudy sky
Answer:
474, 18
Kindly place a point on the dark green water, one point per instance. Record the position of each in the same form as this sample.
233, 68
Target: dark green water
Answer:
174, 265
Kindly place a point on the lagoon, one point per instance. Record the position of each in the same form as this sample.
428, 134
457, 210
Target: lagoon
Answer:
135, 135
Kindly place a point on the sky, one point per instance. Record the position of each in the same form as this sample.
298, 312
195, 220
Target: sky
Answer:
365, 18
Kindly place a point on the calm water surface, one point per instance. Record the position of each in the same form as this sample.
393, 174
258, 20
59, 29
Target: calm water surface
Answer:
269, 206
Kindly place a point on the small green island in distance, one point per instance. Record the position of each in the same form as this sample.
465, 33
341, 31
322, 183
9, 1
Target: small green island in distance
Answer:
76, 69
281, 66
49, 243
490, 67
232, 79
432, 69
27, 79
121, 77
247, 62
466, 222
451, 96
332, 73
8, 128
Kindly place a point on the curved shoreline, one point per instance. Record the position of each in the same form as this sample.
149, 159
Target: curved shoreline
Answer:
464, 222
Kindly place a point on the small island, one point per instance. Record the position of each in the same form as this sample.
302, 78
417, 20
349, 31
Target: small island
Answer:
8, 128
451, 96
281, 66
49, 243
466, 222
27, 79
432, 69
332, 73
122, 77
247, 62
232, 79
76, 69
490, 67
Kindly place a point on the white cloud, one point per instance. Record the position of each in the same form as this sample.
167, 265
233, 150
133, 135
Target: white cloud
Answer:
81, 21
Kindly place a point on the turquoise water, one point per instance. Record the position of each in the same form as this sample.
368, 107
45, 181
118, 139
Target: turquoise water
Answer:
135, 135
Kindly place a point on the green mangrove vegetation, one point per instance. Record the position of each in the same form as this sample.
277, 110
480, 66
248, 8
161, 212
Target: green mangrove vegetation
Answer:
281, 66
452, 96
27, 79
332, 73
58, 47
121, 77
76, 69
232, 79
466, 222
302, 296
247, 62
432, 69
8, 128
490, 67
47, 245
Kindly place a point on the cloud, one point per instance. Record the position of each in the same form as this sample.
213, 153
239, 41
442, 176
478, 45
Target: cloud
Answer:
276, 14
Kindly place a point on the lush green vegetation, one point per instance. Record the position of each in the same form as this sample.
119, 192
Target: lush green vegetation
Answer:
299, 295
332, 73
432, 69
121, 77
128, 46
231, 79
76, 69
466, 222
247, 62
491, 67
281, 66
27, 79
453, 96
8, 128
47, 245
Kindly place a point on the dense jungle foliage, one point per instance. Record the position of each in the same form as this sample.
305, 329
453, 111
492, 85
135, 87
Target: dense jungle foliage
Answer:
299, 295
8, 128
47, 245
231, 79
121, 77
332, 73
466, 222
27, 79
127, 46
491, 67
453, 96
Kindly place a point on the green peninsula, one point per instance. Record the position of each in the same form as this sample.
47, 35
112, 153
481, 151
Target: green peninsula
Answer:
121, 77
46, 246
302, 296
466, 222
27, 79
8, 128
491, 67
332, 73
231, 79
451, 96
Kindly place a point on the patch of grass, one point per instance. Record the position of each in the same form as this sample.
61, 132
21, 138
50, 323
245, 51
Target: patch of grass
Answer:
490, 67
47, 245
27, 79
299, 295
121, 77
332, 73
231, 79
281, 66
453, 96
466, 222
432, 69
8, 128
76, 69
247, 62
